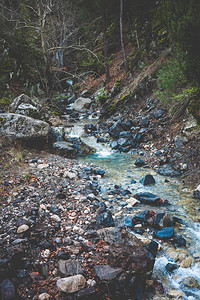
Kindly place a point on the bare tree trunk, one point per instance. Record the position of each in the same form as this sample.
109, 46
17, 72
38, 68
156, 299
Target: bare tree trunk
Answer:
122, 37
105, 41
47, 80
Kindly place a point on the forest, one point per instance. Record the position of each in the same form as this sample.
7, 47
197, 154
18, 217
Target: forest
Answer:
44, 44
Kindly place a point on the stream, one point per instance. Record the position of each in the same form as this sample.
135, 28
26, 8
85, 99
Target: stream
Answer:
121, 170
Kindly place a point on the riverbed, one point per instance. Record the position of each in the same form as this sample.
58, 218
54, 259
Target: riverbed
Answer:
121, 170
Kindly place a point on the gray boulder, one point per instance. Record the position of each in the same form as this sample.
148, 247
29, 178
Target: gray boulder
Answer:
72, 148
81, 104
22, 99
18, 126
28, 110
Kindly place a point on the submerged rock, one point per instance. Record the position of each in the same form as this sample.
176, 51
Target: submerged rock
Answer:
139, 162
148, 198
165, 233
147, 180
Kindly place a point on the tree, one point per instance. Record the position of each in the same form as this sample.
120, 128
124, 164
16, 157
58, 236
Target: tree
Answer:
105, 41
122, 37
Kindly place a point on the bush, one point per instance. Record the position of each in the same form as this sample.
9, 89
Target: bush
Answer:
171, 79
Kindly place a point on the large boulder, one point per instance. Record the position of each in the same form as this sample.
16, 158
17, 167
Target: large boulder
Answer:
22, 99
18, 126
81, 104
129, 262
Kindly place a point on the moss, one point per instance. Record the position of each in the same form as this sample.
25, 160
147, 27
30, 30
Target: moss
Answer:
2, 121
4, 103
126, 97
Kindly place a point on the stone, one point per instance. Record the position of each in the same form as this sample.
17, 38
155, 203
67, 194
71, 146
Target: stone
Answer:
177, 294
22, 99
168, 170
105, 219
28, 110
71, 284
132, 201
56, 218
70, 175
139, 162
105, 272
152, 247
21, 127
159, 113
148, 198
72, 148
69, 267
148, 180
186, 262
179, 241
196, 193
44, 296
99, 172
115, 129
56, 134
8, 291
81, 104
22, 228
165, 233
191, 282
131, 258
171, 267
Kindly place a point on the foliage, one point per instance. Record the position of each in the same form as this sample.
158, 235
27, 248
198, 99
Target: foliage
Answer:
102, 96
4, 103
183, 101
182, 22
171, 78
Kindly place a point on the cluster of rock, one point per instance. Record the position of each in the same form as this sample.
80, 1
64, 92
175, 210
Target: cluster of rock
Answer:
58, 238
143, 132
23, 123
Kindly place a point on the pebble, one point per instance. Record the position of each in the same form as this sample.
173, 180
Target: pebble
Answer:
42, 166
173, 255
91, 282
191, 282
46, 253
71, 284
44, 296
187, 262
176, 294
56, 218
23, 228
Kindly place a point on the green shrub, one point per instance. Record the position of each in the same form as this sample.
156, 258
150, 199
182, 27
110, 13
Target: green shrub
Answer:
171, 79
103, 96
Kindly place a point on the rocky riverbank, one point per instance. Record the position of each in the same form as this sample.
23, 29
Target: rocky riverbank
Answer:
58, 239
62, 236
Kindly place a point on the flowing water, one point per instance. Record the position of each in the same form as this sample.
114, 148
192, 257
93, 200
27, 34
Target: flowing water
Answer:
120, 169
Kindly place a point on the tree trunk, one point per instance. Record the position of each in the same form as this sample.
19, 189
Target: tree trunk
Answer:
122, 37
47, 80
105, 41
